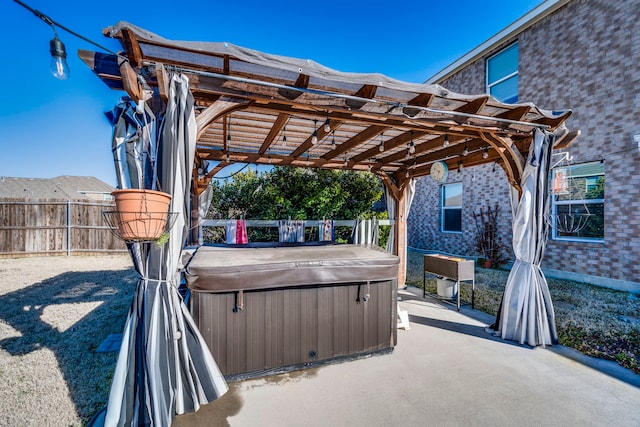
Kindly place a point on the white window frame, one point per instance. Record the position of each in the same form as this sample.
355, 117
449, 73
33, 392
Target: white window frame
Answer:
443, 208
488, 84
554, 211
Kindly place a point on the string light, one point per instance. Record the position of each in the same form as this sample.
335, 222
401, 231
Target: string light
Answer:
381, 147
446, 141
465, 151
314, 136
485, 153
284, 136
327, 125
460, 166
333, 139
58, 66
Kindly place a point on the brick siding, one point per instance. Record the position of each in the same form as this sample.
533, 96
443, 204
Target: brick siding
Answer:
586, 57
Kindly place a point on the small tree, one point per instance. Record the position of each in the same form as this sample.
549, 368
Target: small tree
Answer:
488, 241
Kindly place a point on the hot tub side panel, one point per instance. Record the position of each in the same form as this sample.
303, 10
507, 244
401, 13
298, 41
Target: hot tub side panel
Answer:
280, 328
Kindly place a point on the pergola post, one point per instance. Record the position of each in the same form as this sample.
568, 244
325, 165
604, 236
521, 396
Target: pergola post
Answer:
400, 238
399, 196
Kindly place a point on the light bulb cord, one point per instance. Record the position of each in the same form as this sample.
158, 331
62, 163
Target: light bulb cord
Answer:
55, 24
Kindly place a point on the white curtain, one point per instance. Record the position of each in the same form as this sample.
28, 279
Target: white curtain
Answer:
526, 313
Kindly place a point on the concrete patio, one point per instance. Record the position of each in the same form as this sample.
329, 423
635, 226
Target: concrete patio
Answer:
445, 371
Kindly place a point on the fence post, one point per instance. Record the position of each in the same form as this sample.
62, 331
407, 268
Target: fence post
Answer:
68, 227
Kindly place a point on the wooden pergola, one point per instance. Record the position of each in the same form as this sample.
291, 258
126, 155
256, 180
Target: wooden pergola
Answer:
258, 108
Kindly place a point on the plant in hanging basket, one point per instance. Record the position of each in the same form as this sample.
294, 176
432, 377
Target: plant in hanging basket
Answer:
140, 214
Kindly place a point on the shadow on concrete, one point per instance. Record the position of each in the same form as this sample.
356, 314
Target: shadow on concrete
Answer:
607, 367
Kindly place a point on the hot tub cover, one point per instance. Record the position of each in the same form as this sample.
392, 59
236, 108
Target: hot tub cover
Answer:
219, 269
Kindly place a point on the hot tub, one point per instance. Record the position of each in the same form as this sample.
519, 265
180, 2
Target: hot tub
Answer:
264, 309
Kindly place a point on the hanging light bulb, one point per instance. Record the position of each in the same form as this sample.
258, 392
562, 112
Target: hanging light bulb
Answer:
446, 141
333, 139
408, 155
406, 174
314, 136
228, 157
465, 151
284, 136
412, 147
58, 66
381, 146
345, 162
369, 167
327, 126
485, 153
460, 166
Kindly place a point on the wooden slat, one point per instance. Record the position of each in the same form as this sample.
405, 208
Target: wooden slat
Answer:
357, 140
517, 113
474, 106
391, 144
130, 81
217, 109
163, 82
567, 140
422, 100
302, 82
304, 147
131, 46
273, 133
366, 91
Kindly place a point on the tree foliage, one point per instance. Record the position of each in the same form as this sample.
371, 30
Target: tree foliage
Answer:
295, 193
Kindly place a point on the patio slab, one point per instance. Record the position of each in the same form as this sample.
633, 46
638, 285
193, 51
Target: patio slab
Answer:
445, 371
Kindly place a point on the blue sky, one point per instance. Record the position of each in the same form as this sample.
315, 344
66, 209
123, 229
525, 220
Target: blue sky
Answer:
50, 127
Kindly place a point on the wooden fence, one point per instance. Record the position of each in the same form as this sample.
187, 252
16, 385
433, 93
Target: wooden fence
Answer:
55, 227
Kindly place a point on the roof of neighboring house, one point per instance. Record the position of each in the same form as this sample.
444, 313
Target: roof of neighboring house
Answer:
541, 11
61, 187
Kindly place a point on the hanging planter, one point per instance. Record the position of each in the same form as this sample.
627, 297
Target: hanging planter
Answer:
140, 215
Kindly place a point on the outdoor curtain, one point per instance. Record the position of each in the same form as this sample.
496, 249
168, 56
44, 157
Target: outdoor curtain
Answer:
391, 209
164, 366
526, 313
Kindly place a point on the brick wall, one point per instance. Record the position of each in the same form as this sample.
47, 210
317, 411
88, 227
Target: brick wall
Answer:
480, 189
586, 57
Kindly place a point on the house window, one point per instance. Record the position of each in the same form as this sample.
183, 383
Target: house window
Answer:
451, 216
577, 207
502, 75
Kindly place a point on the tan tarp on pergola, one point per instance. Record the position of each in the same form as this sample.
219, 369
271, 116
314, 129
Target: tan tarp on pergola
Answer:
259, 108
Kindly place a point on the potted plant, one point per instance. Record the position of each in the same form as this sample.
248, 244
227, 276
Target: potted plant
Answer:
140, 214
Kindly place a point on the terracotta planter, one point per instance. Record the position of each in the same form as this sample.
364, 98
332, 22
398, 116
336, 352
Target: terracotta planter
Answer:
141, 214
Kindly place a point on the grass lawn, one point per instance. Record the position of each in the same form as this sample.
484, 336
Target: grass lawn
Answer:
596, 321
